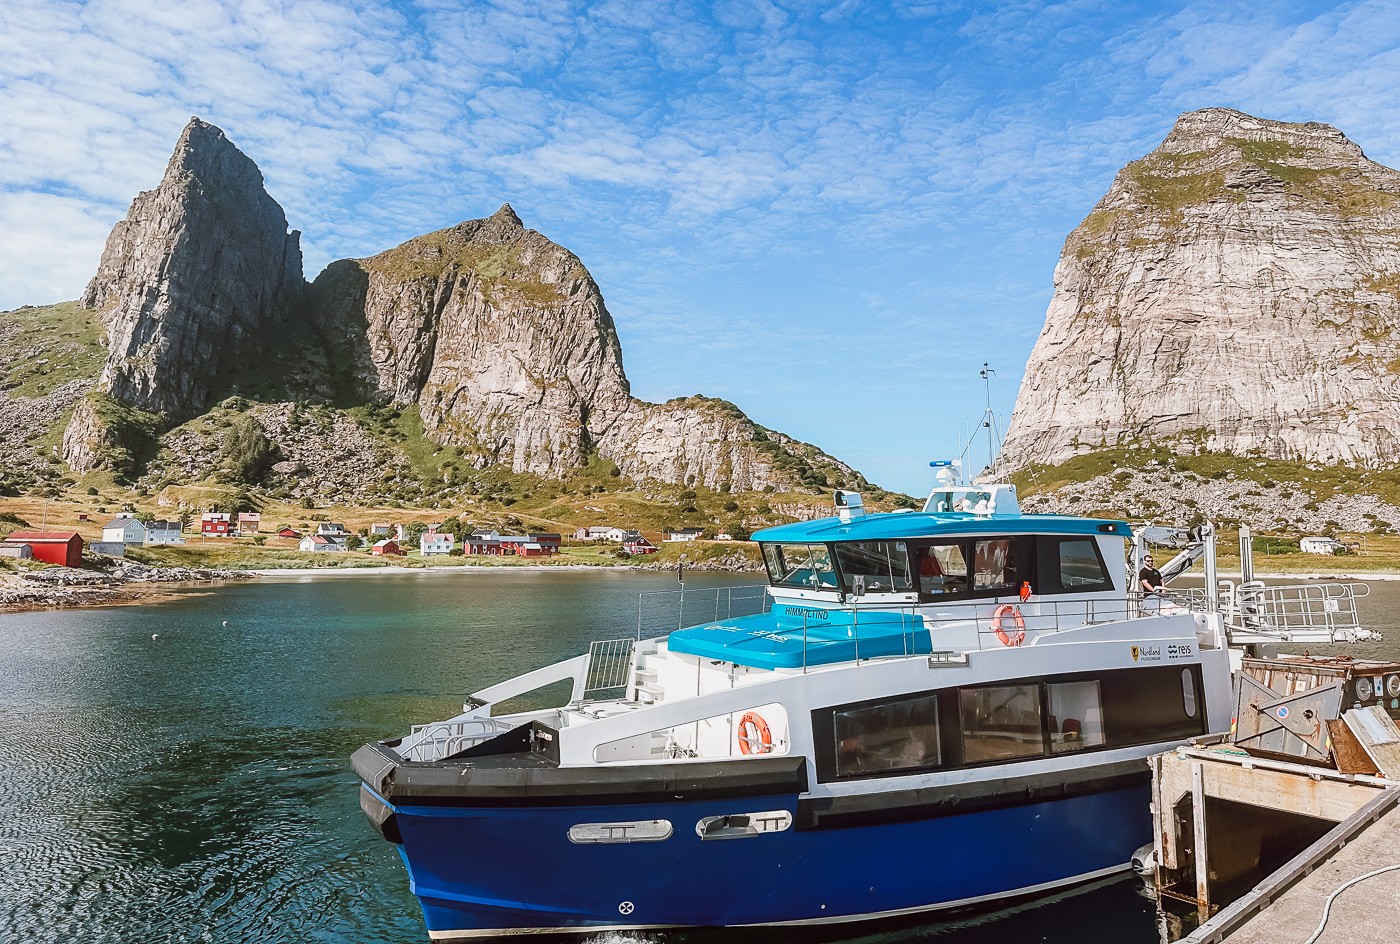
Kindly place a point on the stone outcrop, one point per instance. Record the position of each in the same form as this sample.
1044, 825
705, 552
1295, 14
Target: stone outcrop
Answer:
200, 264
502, 339
498, 336
1236, 290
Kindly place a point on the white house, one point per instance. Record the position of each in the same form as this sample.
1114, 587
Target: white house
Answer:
124, 529
164, 532
332, 529
684, 534
319, 542
436, 543
1313, 545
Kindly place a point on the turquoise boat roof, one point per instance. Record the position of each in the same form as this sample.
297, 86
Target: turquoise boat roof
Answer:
886, 527
777, 640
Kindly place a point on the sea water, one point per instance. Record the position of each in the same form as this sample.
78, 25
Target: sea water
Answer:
196, 786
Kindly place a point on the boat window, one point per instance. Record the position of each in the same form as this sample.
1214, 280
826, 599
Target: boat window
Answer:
1188, 692
1080, 566
895, 735
995, 564
1076, 716
942, 569
883, 564
1000, 722
799, 565
1151, 704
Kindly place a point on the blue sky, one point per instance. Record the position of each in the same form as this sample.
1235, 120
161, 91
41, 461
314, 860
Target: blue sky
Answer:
830, 213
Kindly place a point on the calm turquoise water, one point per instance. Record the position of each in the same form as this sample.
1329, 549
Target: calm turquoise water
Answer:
197, 787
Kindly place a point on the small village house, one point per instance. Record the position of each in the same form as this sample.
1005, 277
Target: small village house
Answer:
386, 548
601, 533
436, 543
289, 532
249, 522
724, 536
547, 540
215, 524
319, 542
1321, 545
53, 547
486, 543
684, 534
332, 529
531, 549
124, 529
380, 529
635, 544
16, 550
164, 532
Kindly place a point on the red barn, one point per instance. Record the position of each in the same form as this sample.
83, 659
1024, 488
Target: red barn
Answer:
55, 547
386, 546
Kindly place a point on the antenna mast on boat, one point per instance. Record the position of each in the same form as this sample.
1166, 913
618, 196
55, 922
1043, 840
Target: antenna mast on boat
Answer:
988, 421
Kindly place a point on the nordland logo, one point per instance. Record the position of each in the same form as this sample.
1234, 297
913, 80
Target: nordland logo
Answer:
1135, 653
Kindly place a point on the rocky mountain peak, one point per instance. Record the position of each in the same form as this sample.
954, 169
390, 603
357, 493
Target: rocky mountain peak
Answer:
1238, 290
200, 264
506, 215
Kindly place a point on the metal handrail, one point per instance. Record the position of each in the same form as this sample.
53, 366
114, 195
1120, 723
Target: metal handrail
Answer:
721, 603
443, 738
1282, 611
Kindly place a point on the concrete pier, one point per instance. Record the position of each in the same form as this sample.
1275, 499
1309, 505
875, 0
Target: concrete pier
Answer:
1367, 911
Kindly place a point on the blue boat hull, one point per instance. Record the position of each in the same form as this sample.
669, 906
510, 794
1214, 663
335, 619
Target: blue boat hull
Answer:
499, 870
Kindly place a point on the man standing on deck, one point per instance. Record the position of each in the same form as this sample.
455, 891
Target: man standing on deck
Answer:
1150, 578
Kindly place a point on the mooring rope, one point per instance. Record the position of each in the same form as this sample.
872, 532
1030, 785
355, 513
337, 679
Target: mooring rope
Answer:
1327, 908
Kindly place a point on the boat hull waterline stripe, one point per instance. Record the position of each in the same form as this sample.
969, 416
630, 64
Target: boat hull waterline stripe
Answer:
804, 922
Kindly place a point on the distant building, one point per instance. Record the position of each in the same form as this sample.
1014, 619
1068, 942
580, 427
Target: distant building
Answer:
53, 547
380, 530
532, 549
164, 532
107, 548
483, 542
289, 533
635, 544
319, 542
436, 543
249, 522
601, 533
724, 536
684, 534
386, 548
14, 549
1321, 545
124, 529
332, 529
547, 540
215, 524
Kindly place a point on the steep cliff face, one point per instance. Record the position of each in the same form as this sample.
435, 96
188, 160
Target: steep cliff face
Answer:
502, 339
200, 264
499, 335
1238, 289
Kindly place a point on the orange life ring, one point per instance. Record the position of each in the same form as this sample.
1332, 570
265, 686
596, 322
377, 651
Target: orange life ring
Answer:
754, 736
1006, 609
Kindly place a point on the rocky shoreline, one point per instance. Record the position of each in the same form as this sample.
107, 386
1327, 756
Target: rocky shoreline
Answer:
59, 587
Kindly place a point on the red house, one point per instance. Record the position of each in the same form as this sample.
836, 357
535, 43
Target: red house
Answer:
289, 533
386, 547
55, 547
216, 524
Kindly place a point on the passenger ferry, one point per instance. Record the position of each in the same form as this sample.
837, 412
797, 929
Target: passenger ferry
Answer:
925, 710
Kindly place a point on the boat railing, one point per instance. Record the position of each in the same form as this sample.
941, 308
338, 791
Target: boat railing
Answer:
664, 610
609, 668
1311, 612
429, 742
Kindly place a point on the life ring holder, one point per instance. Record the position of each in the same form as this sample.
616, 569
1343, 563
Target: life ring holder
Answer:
1007, 639
761, 739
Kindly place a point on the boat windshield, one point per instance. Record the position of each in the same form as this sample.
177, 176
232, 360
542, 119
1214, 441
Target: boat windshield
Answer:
799, 565
882, 565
